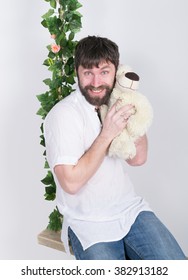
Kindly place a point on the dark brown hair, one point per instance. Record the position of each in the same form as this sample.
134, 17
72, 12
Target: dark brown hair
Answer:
92, 50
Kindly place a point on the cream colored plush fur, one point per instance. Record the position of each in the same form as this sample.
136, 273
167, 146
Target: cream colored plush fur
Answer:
125, 89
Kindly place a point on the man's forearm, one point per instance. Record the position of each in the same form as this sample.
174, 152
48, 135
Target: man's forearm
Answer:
72, 178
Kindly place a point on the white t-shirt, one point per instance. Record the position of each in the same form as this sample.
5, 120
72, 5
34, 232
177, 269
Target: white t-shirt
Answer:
106, 206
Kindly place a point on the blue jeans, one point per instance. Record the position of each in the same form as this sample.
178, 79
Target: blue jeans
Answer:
148, 239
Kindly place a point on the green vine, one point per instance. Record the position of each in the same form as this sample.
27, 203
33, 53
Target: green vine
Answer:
63, 21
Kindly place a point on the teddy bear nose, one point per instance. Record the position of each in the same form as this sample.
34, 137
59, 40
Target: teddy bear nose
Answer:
132, 76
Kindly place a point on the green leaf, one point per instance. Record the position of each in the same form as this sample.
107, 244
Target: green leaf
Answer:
50, 189
74, 6
50, 196
48, 179
70, 80
48, 62
53, 3
55, 220
44, 23
46, 165
71, 36
66, 91
41, 112
61, 38
75, 24
42, 142
48, 14
47, 81
67, 69
78, 14
42, 127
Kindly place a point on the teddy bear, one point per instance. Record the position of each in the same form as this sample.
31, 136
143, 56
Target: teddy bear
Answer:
126, 90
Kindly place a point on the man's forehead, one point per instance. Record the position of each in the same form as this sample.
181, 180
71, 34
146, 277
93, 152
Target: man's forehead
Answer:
100, 65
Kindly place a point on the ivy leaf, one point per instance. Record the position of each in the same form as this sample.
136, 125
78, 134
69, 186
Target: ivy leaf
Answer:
50, 189
50, 193
71, 36
66, 91
41, 112
53, 3
48, 14
48, 62
70, 80
42, 142
55, 220
47, 81
51, 55
46, 165
44, 23
42, 128
73, 6
61, 38
75, 23
78, 5
48, 179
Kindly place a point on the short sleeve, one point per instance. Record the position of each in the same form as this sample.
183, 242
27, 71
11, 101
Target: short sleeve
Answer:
63, 132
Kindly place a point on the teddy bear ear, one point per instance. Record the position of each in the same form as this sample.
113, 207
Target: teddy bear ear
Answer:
123, 69
132, 76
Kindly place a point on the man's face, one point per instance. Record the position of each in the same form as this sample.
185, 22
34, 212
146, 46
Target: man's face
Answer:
96, 84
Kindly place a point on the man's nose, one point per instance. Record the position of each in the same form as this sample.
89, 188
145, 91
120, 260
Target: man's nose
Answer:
96, 81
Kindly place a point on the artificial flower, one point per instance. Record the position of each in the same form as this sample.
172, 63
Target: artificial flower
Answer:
55, 48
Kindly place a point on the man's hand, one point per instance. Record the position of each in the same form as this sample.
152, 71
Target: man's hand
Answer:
116, 121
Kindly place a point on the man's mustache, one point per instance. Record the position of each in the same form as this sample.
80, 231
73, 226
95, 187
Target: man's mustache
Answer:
96, 88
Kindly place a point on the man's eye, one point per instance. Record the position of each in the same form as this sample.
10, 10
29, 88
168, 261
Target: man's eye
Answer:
104, 72
87, 73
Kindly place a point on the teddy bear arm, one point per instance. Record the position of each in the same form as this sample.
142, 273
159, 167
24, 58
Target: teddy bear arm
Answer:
123, 146
139, 123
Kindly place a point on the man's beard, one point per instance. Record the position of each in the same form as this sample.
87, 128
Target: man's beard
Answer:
95, 100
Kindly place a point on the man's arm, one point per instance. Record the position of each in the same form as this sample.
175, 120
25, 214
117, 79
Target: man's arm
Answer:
73, 177
141, 152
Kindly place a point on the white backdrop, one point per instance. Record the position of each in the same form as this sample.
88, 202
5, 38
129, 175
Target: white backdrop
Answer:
153, 39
